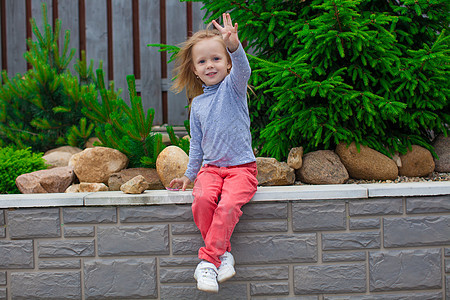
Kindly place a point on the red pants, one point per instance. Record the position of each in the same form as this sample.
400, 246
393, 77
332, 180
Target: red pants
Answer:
216, 219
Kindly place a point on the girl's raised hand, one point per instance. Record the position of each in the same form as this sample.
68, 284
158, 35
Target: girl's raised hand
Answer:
229, 32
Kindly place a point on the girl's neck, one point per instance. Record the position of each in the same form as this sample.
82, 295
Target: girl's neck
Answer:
210, 88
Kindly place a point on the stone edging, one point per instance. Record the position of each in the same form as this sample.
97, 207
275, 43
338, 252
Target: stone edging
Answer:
266, 193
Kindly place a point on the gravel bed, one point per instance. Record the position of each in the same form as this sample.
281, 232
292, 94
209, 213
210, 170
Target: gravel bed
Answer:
435, 176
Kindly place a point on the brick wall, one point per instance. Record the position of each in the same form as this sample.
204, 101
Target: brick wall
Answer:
392, 247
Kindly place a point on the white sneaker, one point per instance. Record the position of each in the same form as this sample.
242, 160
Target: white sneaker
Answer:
226, 269
206, 276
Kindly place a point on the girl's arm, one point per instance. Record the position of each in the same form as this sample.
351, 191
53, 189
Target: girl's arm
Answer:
195, 149
240, 72
195, 156
229, 32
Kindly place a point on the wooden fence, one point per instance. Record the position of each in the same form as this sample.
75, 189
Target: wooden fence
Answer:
115, 32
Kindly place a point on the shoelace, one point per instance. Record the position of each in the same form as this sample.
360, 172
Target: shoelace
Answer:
225, 260
208, 272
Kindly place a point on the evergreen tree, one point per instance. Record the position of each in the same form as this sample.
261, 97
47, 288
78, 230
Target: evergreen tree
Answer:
373, 72
36, 110
182, 142
118, 126
48, 106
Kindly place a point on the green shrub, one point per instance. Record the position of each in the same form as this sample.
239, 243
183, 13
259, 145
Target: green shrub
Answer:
372, 72
14, 163
117, 125
48, 106
36, 109
182, 142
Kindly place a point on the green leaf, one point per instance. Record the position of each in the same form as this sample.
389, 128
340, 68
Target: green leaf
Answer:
271, 40
61, 109
272, 24
417, 9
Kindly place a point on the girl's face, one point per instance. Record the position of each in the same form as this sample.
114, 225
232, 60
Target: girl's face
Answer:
210, 61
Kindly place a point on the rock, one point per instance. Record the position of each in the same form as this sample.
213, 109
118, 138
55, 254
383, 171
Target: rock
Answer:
166, 138
68, 149
186, 137
273, 172
416, 163
91, 187
87, 187
442, 148
58, 159
97, 164
136, 185
150, 175
396, 159
74, 188
73, 160
322, 167
90, 142
55, 180
295, 158
171, 163
366, 164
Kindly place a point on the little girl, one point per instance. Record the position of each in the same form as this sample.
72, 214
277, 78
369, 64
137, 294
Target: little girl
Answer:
214, 69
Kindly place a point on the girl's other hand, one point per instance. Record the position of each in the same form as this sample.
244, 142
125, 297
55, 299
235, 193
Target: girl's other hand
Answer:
229, 32
179, 183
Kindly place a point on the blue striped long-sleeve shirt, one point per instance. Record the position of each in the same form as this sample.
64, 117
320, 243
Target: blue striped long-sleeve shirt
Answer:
220, 122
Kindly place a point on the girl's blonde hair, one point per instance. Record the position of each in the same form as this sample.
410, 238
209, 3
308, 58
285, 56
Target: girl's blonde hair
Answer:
184, 66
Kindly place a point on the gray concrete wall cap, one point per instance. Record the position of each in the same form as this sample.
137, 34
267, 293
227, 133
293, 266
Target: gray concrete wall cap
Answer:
266, 193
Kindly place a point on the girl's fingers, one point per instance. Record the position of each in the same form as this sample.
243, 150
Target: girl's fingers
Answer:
228, 29
227, 20
217, 25
174, 181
